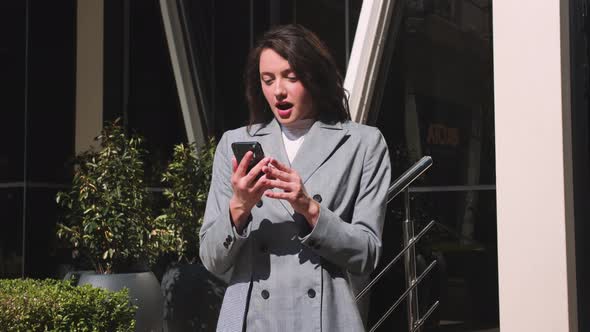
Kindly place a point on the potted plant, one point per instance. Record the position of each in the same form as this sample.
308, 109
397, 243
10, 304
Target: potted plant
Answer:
109, 221
192, 296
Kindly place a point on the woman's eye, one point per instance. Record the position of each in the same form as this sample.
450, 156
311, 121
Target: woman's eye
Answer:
292, 78
267, 82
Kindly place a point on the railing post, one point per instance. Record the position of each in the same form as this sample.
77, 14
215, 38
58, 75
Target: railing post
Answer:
401, 184
410, 264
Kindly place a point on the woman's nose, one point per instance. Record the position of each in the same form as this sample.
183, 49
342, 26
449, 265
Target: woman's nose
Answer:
280, 91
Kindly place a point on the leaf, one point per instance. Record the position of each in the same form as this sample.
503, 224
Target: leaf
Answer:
110, 214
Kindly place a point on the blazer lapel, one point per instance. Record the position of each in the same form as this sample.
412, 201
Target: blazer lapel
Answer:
271, 139
318, 145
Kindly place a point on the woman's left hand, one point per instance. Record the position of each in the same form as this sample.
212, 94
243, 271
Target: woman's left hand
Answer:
285, 178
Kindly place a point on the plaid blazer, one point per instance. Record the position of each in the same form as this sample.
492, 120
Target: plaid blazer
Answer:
285, 276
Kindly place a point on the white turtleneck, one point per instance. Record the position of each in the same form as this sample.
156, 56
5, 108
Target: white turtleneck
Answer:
294, 134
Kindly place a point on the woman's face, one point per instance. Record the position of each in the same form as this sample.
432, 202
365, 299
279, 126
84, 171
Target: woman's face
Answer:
287, 97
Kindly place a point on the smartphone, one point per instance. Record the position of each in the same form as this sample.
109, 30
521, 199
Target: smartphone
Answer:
240, 149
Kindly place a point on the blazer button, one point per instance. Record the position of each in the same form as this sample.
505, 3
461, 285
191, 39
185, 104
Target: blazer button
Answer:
317, 198
228, 239
259, 204
265, 294
311, 293
226, 245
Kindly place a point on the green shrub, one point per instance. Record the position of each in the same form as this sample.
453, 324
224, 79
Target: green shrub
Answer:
109, 217
54, 305
187, 179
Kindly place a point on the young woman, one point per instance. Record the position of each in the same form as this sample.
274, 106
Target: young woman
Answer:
294, 236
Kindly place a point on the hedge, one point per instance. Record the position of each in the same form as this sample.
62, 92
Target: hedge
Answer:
55, 305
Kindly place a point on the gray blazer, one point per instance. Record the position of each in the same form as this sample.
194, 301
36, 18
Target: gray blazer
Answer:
287, 277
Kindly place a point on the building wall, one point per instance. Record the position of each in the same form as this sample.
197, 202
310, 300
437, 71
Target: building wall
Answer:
533, 166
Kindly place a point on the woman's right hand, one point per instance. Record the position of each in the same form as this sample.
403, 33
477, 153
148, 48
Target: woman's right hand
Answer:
248, 189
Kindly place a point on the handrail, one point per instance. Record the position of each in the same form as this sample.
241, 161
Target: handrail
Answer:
404, 180
422, 320
404, 295
402, 184
395, 259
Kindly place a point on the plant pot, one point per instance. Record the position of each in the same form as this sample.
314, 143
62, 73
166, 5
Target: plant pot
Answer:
192, 298
144, 291
74, 275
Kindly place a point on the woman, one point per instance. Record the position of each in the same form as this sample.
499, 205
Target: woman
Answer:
295, 235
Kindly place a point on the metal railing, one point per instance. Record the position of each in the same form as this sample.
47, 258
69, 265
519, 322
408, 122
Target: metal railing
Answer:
402, 184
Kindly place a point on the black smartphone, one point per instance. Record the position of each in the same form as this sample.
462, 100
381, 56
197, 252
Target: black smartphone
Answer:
240, 149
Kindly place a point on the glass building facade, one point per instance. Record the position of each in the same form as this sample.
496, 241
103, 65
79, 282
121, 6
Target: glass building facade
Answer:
38, 62
432, 94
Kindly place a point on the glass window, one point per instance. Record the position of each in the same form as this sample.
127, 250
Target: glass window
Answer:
580, 120
199, 26
38, 61
463, 241
139, 83
12, 67
334, 21
51, 90
220, 40
153, 109
43, 255
435, 97
11, 237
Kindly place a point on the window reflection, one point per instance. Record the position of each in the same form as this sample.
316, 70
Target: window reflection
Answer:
333, 20
435, 97
11, 258
12, 67
465, 277
464, 244
139, 83
437, 92
220, 41
38, 59
45, 255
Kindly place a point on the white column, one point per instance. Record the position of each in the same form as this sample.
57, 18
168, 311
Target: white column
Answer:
189, 91
533, 166
89, 72
365, 58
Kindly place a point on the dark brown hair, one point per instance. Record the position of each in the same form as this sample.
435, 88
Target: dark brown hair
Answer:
313, 64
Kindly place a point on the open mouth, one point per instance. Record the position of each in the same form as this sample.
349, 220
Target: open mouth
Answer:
284, 109
283, 106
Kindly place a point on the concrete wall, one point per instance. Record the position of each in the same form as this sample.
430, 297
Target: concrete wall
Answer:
89, 72
533, 166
